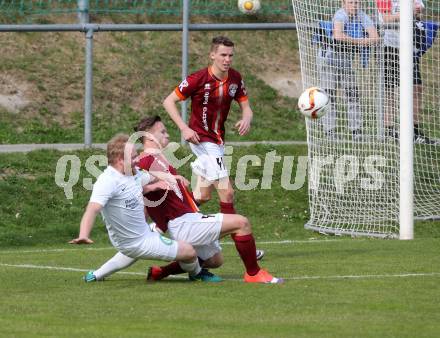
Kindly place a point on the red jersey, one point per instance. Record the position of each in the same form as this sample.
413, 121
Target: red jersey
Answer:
166, 205
385, 6
211, 101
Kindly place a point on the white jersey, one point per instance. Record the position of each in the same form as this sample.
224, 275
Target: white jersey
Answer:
391, 36
123, 208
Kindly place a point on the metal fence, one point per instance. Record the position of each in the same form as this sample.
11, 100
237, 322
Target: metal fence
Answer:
90, 29
30, 8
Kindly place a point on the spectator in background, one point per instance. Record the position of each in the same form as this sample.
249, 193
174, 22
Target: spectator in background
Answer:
352, 29
389, 11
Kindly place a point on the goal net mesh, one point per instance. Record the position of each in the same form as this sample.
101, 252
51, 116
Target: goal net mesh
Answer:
349, 49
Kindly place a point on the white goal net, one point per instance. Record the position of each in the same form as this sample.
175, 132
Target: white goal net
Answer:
350, 48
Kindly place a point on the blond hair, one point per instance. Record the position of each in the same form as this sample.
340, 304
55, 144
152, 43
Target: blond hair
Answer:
116, 147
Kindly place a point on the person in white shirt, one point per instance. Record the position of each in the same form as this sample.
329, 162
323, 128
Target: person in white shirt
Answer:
389, 11
118, 195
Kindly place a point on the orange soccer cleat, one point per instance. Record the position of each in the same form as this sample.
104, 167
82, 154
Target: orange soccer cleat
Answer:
154, 273
262, 277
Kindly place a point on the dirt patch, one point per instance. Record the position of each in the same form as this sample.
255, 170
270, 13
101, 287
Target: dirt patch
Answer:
286, 83
8, 172
67, 108
12, 94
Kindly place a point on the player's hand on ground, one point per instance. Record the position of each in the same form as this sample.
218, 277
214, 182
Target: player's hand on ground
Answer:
190, 135
243, 126
81, 240
182, 180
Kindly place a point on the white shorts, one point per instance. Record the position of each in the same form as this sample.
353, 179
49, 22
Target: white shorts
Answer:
210, 162
201, 231
153, 246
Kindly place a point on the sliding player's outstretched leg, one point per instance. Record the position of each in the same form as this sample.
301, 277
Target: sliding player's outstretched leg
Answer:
156, 273
114, 264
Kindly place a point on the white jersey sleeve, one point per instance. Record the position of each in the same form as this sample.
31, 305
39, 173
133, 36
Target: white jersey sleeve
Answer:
103, 190
143, 176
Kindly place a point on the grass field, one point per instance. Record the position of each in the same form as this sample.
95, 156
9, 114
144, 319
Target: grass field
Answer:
131, 79
333, 288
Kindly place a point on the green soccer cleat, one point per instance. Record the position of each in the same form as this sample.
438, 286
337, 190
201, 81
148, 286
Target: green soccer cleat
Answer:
205, 276
90, 277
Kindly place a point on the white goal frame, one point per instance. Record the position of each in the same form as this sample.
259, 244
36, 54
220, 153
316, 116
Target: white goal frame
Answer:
406, 203
324, 218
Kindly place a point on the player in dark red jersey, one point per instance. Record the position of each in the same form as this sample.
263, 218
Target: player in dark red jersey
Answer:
212, 91
174, 209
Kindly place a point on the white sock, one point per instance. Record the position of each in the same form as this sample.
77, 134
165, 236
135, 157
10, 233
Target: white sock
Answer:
116, 263
192, 268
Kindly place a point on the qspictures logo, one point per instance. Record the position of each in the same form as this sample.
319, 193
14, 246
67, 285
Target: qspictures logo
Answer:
289, 172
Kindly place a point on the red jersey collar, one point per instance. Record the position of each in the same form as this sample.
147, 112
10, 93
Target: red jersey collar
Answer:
210, 72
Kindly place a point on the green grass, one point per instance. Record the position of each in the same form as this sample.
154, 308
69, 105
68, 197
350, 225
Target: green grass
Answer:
131, 79
335, 287
376, 298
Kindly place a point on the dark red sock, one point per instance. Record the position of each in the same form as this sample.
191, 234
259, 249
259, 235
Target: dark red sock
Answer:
171, 269
227, 208
246, 248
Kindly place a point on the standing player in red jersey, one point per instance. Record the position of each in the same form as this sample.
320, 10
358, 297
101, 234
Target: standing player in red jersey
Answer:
212, 90
174, 209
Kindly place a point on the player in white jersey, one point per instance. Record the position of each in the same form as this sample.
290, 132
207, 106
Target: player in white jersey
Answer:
118, 195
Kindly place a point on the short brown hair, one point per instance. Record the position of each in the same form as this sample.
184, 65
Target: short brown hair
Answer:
221, 40
116, 148
146, 124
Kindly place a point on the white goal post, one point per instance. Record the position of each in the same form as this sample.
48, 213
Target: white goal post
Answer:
406, 203
374, 158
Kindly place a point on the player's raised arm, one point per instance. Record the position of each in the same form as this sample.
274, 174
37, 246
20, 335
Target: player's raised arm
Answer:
87, 222
170, 106
244, 125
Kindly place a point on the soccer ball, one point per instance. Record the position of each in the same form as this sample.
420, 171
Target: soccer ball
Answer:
249, 6
312, 102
